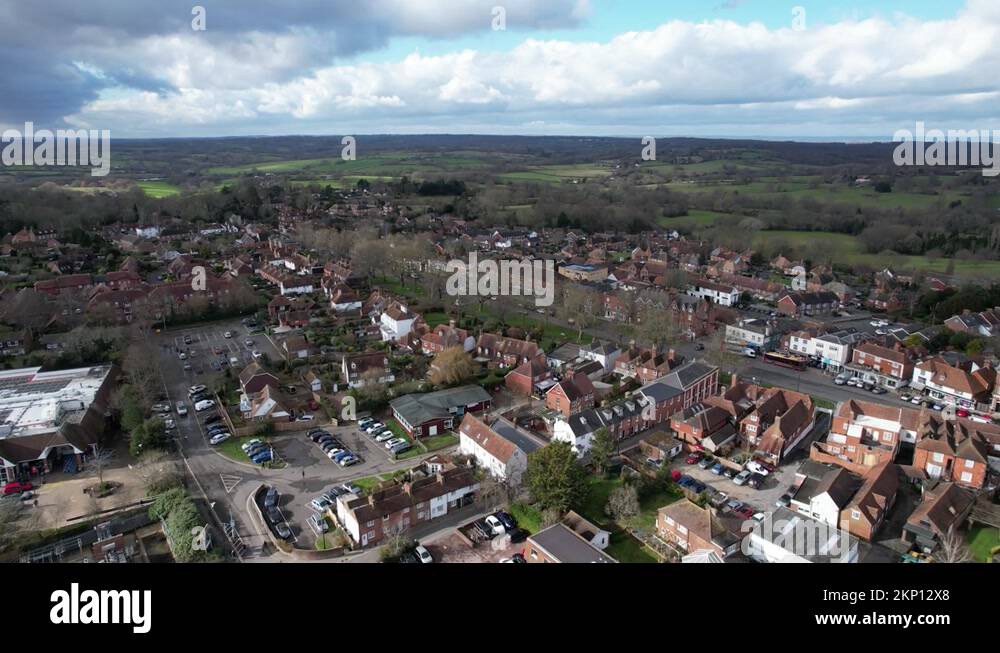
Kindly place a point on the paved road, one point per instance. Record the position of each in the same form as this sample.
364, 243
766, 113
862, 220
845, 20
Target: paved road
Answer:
814, 382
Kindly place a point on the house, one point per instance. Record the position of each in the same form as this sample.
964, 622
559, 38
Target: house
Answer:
779, 420
254, 378
942, 509
560, 543
585, 273
646, 365
313, 381
369, 520
832, 350
717, 293
530, 378
445, 336
265, 405
693, 528
661, 446
801, 304
597, 537
685, 386
296, 346
501, 351
880, 365
966, 385
571, 395
787, 536
867, 511
761, 335
698, 422
823, 491
561, 357
15, 343
604, 352
499, 447
622, 420
955, 450
396, 322
358, 370
865, 435
435, 412
985, 323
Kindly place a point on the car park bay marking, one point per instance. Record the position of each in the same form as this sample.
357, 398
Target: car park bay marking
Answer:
229, 482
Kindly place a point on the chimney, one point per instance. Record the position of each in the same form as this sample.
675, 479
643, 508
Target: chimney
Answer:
671, 354
408, 487
371, 500
734, 380
452, 323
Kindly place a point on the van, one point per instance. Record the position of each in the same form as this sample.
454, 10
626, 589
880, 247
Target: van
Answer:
233, 361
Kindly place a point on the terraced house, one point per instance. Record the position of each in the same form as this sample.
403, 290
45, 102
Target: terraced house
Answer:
880, 365
966, 385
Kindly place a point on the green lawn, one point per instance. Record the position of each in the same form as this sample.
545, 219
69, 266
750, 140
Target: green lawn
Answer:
981, 540
527, 517
158, 189
437, 442
625, 548
436, 318
694, 219
393, 286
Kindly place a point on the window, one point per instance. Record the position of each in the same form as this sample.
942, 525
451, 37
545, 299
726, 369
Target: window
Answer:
939, 457
370, 524
534, 555
969, 464
966, 477
670, 520
887, 437
855, 514
682, 529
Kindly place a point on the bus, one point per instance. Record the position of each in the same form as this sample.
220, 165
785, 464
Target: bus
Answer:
790, 361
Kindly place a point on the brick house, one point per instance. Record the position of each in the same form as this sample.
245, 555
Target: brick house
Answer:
254, 378
966, 385
498, 446
693, 528
398, 508
865, 435
530, 377
942, 509
682, 388
801, 304
445, 336
571, 395
500, 351
955, 450
778, 421
866, 512
891, 368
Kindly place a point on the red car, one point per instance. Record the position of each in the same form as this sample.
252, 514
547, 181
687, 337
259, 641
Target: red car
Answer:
745, 512
17, 488
693, 458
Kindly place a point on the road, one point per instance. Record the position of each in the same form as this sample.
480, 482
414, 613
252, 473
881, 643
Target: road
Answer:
813, 382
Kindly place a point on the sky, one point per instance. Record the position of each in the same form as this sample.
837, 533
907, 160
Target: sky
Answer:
850, 70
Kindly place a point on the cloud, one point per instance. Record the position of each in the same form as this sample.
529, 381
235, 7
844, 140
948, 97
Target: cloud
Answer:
303, 69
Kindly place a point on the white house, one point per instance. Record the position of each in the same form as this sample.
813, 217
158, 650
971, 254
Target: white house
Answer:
605, 353
832, 349
502, 449
295, 286
721, 294
396, 322
785, 536
147, 231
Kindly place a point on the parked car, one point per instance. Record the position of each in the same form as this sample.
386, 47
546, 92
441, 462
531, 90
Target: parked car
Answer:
423, 554
389, 444
161, 408
351, 488
402, 447
706, 463
371, 428
182, 409
697, 486
409, 557
271, 498
320, 504
655, 463
262, 457
228, 334
784, 500
730, 473
365, 421
507, 520
218, 438
483, 529
496, 525
341, 455
757, 468
305, 418
348, 460
248, 342
742, 477
734, 504
318, 524
879, 390
17, 487
756, 481
384, 435
213, 419
204, 404
281, 528
717, 469
274, 515
693, 458
518, 535
746, 512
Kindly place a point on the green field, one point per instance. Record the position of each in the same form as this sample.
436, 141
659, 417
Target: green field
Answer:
384, 165
557, 174
847, 249
158, 189
693, 220
982, 540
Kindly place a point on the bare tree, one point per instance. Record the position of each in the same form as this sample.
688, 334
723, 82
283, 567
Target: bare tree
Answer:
952, 548
101, 460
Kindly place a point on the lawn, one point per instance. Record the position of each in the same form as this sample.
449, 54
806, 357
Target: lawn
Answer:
981, 540
438, 442
436, 318
231, 448
625, 548
393, 286
526, 517
158, 189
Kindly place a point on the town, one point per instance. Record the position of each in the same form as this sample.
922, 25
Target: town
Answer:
320, 396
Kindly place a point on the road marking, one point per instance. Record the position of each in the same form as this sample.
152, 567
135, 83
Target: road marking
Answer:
230, 481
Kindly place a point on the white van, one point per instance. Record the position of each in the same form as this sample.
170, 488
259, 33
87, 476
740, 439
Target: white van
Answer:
204, 404
233, 361
750, 352
182, 408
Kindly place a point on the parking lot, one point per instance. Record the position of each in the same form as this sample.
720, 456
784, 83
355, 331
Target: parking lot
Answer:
207, 350
761, 499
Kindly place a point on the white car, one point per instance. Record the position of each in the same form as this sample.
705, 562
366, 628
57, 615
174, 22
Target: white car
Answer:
246, 446
228, 334
742, 477
169, 424
182, 408
423, 554
195, 389
496, 525
393, 442
256, 354
219, 439
304, 418
385, 435
161, 408
320, 504
184, 356
248, 342
757, 468
371, 428
204, 404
